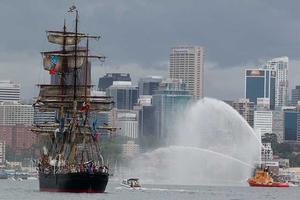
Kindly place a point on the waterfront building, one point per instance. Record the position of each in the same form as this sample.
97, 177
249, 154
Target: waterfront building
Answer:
6, 134
280, 65
19, 137
15, 123
12, 113
170, 101
260, 83
124, 94
245, 108
148, 85
2, 153
269, 121
22, 138
108, 79
295, 96
9, 91
292, 124
187, 64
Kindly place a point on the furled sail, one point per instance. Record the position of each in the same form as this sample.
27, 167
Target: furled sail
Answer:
57, 91
105, 104
58, 37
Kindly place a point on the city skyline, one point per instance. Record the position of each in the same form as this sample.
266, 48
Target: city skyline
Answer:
227, 31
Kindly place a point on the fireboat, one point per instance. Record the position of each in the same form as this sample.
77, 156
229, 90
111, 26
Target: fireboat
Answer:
262, 178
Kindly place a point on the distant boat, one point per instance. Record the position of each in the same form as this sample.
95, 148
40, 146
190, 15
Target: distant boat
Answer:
262, 178
132, 183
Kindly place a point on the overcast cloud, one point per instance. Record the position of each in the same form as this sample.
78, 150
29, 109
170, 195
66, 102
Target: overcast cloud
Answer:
137, 36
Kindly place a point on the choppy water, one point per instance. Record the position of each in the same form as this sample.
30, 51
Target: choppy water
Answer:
25, 190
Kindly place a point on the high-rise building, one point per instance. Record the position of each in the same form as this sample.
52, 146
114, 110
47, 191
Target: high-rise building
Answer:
260, 83
124, 94
280, 65
170, 100
269, 121
295, 95
187, 64
148, 137
127, 123
292, 124
245, 108
109, 78
9, 91
148, 85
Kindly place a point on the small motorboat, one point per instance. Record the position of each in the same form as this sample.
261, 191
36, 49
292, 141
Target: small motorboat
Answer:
132, 183
262, 178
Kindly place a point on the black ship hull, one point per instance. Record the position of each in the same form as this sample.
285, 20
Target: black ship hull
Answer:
73, 182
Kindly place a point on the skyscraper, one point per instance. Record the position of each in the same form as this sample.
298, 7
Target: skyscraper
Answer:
9, 91
148, 85
127, 123
109, 78
292, 124
260, 83
187, 63
295, 95
280, 65
124, 94
169, 101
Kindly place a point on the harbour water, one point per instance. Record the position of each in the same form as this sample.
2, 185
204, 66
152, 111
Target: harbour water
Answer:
28, 190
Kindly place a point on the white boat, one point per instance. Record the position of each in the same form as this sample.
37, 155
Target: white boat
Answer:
132, 183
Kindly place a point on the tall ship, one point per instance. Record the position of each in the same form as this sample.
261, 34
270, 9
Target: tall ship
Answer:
70, 158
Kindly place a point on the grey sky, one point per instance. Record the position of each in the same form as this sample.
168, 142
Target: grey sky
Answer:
137, 36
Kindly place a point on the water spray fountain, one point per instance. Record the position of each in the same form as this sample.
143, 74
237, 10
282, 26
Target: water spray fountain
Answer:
212, 145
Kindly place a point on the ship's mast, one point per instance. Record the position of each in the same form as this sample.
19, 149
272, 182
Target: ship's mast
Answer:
86, 68
75, 56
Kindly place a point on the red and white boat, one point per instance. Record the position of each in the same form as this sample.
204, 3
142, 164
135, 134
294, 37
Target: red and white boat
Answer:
262, 178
